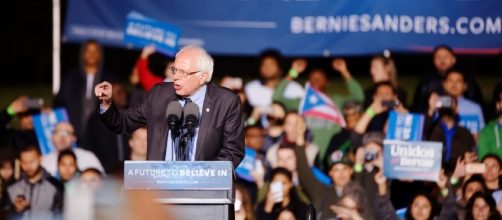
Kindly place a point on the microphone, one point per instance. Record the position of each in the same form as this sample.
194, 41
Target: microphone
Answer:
173, 115
191, 117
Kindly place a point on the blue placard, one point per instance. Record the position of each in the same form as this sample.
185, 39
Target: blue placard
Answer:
405, 126
471, 123
301, 28
141, 31
44, 123
412, 160
178, 175
247, 165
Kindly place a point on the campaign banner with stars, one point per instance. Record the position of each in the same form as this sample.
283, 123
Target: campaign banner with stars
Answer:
317, 104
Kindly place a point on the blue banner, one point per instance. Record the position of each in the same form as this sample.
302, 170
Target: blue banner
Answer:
471, 123
301, 28
405, 126
44, 123
141, 31
247, 165
412, 160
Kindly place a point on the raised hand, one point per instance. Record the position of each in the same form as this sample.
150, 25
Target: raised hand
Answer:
18, 104
341, 66
433, 99
103, 92
147, 51
299, 65
443, 179
460, 170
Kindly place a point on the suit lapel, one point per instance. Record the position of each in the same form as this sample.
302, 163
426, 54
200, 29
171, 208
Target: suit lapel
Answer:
158, 146
205, 121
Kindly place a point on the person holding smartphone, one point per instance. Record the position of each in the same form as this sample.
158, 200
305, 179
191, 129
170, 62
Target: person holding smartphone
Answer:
281, 196
37, 193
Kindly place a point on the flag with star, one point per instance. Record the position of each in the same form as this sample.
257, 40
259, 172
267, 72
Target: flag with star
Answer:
317, 104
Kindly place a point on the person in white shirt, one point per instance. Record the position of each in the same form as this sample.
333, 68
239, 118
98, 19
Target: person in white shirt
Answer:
63, 137
259, 92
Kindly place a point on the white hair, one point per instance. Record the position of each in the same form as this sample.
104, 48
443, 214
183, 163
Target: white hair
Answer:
204, 61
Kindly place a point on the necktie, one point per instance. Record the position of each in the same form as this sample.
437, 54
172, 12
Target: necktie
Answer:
184, 145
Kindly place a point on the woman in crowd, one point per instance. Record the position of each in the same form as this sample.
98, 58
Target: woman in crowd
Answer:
473, 185
67, 166
243, 204
422, 207
281, 196
492, 174
481, 206
383, 69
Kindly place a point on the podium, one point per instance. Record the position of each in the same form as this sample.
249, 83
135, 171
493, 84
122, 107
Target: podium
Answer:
189, 189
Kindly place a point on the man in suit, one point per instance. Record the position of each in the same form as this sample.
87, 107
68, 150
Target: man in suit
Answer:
220, 131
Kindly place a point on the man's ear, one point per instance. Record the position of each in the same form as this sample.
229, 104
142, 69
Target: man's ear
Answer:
203, 78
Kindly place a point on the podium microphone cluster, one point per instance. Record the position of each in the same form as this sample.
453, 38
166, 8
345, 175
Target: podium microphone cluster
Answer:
182, 122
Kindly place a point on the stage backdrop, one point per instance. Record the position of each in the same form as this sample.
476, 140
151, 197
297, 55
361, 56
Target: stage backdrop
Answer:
301, 27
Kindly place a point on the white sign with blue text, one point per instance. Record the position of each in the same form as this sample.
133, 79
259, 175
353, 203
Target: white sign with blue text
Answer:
409, 160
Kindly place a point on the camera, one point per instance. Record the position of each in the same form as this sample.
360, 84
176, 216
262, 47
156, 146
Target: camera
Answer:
390, 104
370, 156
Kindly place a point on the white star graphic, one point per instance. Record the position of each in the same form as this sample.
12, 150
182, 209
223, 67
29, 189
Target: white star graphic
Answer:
313, 99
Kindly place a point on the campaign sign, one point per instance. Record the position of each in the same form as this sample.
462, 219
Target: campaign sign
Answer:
412, 160
178, 175
247, 165
44, 123
141, 31
405, 126
471, 123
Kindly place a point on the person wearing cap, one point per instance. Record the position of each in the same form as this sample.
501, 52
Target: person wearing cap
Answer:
324, 196
368, 161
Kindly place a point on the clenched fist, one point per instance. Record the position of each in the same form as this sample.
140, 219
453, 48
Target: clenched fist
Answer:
103, 91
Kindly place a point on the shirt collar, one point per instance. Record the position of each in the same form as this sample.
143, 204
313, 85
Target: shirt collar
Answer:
199, 94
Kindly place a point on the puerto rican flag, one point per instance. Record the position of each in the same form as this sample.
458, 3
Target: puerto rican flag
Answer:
317, 104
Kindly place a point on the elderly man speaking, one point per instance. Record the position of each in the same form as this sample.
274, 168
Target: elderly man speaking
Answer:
218, 134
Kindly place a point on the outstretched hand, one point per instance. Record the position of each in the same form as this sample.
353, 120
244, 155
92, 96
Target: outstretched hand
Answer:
299, 65
340, 66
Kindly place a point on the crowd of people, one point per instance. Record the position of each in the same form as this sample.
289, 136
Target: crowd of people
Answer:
301, 160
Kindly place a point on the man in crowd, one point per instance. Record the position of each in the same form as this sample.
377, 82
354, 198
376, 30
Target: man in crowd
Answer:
63, 137
260, 92
454, 84
490, 137
444, 58
76, 90
36, 193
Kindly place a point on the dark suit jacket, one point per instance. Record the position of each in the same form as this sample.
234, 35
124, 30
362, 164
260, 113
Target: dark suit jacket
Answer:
221, 131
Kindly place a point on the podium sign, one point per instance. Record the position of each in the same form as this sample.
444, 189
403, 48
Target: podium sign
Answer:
178, 175
190, 189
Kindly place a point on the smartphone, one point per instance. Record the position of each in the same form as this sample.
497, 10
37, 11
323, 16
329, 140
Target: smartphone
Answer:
390, 104
277, 191
33, 103
475, 168
237, 205
444, 102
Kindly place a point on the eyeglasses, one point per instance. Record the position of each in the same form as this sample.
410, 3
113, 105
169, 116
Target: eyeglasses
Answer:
183, 73
62, 133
